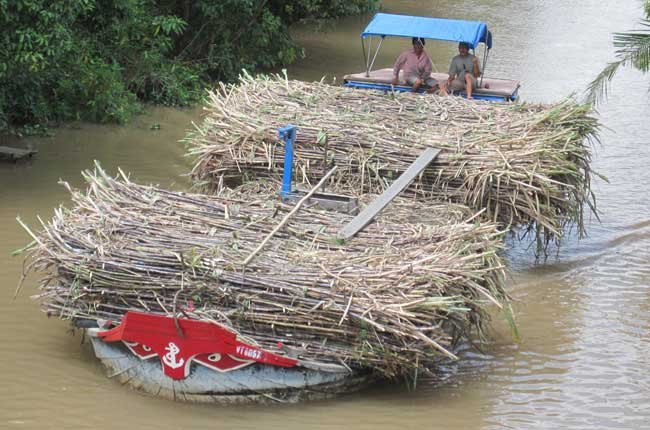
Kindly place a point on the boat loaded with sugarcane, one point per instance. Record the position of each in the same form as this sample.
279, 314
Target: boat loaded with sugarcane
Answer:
384, 261
309, 311
473, 33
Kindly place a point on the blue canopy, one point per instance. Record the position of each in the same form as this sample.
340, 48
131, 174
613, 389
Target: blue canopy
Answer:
386, 24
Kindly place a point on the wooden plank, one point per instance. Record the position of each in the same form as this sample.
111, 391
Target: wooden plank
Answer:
335, 202
371, 211
15, 153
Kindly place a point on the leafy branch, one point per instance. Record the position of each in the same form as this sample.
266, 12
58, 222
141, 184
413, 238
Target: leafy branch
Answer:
633, 49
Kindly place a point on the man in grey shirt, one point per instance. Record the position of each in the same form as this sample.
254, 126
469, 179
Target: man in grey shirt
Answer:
463, 72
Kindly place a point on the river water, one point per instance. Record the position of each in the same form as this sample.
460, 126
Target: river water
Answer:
583, 360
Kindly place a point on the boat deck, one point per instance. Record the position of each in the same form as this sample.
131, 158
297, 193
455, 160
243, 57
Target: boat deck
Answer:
381, 79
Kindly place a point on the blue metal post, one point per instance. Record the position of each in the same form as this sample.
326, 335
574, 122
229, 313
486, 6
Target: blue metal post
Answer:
288, 133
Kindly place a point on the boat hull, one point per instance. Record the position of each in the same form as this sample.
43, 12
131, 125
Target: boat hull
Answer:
257, 383
495, 90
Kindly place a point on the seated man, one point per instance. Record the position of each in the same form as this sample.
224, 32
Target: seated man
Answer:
417, 67
463, 72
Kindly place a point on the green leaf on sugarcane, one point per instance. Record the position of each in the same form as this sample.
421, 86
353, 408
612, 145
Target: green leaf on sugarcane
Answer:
23, 249
510, 319
321, 138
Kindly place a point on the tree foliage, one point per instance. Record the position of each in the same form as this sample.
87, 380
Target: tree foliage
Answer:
632, 48
98, 60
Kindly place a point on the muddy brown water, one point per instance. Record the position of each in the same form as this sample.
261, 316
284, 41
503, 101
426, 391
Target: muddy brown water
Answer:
584, 357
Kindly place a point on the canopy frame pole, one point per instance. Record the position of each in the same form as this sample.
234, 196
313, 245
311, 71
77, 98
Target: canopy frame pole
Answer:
486, 53
375, 57
363, 48
368, 57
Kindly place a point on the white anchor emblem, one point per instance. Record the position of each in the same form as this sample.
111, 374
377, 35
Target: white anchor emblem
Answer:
170, 358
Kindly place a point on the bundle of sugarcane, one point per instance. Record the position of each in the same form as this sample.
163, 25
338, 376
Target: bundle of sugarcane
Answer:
527, 165
393, 298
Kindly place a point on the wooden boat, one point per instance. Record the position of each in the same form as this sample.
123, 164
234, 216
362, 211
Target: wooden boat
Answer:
14, 154
474, 33
171, 351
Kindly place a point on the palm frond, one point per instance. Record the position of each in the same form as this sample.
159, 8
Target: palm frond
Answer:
599, 87
633, 48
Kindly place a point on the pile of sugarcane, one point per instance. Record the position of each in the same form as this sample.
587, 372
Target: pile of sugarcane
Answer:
395, 297
526, 165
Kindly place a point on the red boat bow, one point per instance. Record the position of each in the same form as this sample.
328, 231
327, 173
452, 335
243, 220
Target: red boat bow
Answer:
178, 342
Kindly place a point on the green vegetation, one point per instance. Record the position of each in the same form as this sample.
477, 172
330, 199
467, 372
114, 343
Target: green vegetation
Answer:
98, 60
633, 48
